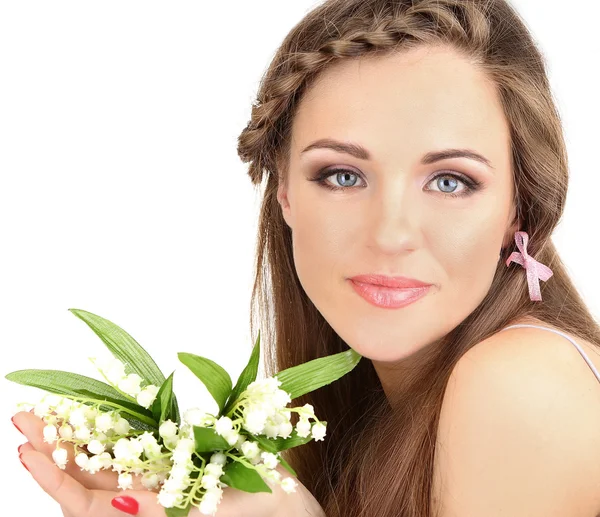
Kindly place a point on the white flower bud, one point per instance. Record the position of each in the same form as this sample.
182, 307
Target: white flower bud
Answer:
285, 430
269, 459
121, 426
82, 433
60, 457
82, 460
303, 427
115, 371
146, 397
104, 422
125, 481
223, 425
167, 429
218, 458
208, 481
214, 469
50, 433
250, 449
66, 432
95, 447
77, 417
318, 431
150, 480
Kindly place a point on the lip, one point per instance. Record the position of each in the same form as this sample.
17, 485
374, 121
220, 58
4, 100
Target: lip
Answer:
389, 297
398, 282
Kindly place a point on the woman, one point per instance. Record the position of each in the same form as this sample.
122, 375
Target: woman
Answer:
418, 139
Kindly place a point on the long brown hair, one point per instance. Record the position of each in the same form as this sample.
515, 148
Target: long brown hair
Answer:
375, 461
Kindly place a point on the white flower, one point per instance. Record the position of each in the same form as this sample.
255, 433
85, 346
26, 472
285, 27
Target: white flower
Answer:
150, 480
104, 422
146, 397
309, 411
94, 464
250, 449
82, 433
130, 384
60, 457
214, 469
223, 425
95, 447
318, 431
289, 485
50, 433
195, 416
77, 417
269, 459
218, 458
281, 399
65, 432
303, 427
169, 499
121, 426
167, 429
231, 437
82, 460
254, 421
285, 430
125, 481
207, 507
208, 481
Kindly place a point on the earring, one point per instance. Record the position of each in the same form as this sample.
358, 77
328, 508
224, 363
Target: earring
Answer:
535, 270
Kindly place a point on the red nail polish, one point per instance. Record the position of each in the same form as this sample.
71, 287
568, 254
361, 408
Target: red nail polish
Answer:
13, 421
126, 504
23, 463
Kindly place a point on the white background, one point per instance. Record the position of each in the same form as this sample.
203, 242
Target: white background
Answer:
121, 192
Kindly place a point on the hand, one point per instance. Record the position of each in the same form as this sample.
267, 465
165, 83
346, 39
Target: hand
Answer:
81, 494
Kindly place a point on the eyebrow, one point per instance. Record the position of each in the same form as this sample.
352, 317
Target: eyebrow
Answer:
361, 153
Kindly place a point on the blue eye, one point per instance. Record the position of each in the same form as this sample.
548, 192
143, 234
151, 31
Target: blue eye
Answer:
344, 177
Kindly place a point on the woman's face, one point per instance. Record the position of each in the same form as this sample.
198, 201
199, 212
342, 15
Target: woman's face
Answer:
396, 215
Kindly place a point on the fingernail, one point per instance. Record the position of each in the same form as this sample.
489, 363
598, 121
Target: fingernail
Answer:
19, 449
23, 463
13, 421
126, 504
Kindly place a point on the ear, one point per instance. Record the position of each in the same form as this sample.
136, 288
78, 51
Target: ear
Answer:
282, 199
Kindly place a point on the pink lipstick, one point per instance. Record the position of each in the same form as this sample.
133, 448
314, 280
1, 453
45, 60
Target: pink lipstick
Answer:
389, 292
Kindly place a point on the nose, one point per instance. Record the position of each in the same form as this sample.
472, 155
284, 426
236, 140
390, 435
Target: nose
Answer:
394, 220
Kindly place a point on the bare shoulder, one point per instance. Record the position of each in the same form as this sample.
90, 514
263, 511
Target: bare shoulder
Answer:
519, 430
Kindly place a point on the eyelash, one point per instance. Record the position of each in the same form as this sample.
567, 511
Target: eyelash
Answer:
471, 185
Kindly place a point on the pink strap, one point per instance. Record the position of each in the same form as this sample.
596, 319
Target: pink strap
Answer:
536, 271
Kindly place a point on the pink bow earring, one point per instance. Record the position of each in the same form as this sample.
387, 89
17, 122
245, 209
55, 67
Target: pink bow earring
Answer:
536, 271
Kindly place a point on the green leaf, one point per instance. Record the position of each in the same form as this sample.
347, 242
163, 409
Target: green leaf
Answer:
76, 386
215, 378
307, 377
207, 440
288, 467
162, 407
243, 478
280, 444
178, 512
125, 348
247, 376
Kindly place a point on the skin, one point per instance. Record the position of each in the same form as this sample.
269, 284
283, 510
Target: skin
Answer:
393, 218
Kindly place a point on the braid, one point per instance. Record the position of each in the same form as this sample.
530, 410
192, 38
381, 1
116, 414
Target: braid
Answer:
461, 22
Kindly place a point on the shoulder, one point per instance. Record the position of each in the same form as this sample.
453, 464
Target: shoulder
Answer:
519, 430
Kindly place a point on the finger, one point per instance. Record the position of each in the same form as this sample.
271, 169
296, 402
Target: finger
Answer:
33, 429
75, 499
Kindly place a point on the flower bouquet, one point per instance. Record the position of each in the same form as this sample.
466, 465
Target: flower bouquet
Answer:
131, 423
